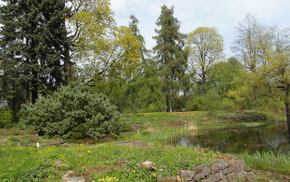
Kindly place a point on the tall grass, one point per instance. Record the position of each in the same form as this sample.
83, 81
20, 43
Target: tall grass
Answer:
278, 163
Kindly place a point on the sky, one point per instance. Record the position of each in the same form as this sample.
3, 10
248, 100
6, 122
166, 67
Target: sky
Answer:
225, 15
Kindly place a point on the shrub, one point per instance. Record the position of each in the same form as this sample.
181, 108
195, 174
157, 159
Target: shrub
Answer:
6, 118
72, 112
247, 117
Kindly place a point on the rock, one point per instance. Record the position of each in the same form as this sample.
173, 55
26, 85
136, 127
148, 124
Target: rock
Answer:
199, 167
216, 177
148, 164
205, 171
219, 166
186, 175
73, 177
228, 170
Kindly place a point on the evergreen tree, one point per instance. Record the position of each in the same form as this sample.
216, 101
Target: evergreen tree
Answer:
170, 55
34, 46
14, 82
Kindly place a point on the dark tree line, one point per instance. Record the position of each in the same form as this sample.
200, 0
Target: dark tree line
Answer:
34, 48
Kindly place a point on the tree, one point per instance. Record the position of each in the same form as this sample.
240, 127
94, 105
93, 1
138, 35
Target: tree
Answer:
251, 42
72, 112
104, 48
206, 48
38, 47
13, 86
278, 68
170, 55
143, 91
110, 55
265, 52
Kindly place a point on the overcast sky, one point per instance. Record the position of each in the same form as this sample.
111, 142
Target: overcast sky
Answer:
225, 15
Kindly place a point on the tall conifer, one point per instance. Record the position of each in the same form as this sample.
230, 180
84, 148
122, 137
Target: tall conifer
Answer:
170, 54
34, 46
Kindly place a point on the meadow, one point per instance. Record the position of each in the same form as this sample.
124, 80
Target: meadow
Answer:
108, 160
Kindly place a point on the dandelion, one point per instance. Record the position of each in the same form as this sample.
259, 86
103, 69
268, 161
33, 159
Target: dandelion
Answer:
109, 179
89, 151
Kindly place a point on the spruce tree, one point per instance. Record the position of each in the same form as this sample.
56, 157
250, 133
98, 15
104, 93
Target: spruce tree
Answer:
35, 45
170, 54
14, 83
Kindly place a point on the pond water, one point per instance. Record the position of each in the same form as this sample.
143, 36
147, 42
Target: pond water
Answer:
239, 141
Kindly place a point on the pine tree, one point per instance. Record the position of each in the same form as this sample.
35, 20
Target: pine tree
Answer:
170, 54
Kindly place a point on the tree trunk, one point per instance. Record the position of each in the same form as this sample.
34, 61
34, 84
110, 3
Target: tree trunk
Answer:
34, 87
287, 107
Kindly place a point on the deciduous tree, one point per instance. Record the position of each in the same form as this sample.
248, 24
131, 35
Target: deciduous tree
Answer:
206, 49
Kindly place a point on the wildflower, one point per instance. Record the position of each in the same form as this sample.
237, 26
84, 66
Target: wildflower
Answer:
89, 151
133, 171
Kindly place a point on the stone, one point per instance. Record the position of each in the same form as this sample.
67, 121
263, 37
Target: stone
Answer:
232, 169
219, 166
229, 170
186, 175
199, 167
205, 171
216, 177
73, 177
148, 164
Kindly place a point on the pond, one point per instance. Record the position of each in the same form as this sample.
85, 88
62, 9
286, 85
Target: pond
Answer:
239, 141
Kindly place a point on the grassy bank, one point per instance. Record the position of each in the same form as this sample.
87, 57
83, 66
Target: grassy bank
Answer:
106, 161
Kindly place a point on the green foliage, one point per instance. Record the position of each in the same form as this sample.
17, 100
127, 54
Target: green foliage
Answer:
171, 56
36, 174
209, 101
125, 127
6, 118
246, 117
205, 49
34, 48
72, 112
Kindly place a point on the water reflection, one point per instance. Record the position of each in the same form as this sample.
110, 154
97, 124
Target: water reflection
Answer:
240, 140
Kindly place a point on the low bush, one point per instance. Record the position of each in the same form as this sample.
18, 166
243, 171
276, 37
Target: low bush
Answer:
246, 117
72, 112
6, 118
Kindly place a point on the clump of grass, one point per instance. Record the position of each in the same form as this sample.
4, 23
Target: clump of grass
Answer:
279, 163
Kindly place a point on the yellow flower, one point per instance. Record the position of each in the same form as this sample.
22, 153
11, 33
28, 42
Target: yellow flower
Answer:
133, 171
89, 151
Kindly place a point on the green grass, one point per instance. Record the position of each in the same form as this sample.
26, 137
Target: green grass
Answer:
278, 163
122, 162
108, 162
